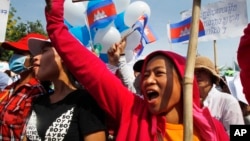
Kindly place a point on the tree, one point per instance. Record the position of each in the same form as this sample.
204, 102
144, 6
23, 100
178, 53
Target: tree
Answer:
17, 29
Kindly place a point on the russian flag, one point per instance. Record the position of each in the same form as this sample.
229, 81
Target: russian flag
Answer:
149, 36
180, 32
101, 13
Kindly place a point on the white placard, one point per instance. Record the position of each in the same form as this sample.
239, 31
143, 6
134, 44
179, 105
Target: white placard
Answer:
235, 87
222, 19
4, 12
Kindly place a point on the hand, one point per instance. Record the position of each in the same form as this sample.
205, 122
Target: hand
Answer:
113, 54
122, 45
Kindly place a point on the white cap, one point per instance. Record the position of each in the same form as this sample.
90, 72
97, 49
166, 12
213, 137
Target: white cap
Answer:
36, 45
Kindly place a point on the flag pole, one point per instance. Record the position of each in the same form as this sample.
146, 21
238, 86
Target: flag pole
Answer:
215, 55
169, 36
189, 73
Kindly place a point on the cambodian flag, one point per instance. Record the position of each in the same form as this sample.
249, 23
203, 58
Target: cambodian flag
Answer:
100, 13
144, 29
140, 23
149, 36
180, 32
138, 50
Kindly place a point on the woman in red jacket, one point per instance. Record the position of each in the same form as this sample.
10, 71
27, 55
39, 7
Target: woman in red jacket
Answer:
159, 116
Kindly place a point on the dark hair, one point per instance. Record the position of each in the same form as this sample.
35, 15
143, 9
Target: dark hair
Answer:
138, 65
214, 79
73, 80
47, 86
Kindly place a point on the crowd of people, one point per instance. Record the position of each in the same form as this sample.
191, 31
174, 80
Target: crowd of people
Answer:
48, 93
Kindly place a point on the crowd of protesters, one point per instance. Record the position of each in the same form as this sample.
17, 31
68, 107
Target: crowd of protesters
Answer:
48, 93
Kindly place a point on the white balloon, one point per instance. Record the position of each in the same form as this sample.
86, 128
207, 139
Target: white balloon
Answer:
107, 37
75, 13
134, 11
133, 40
129, 55
121, 5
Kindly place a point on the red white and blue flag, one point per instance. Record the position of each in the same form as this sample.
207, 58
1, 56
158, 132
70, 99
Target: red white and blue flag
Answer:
144, 29
180, 31
138, 50
140, 24
101, 13
149, 35
146, 33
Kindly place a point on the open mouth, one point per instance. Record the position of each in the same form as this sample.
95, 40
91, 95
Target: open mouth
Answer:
152, 95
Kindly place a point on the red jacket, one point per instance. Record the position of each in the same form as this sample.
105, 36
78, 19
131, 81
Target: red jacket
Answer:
243, 60
15, 109
130, 112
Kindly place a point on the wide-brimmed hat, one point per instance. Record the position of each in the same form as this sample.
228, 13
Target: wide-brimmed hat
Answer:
206, 63
22, 44
36, 44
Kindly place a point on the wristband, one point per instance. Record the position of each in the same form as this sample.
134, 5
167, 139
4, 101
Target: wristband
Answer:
122, 54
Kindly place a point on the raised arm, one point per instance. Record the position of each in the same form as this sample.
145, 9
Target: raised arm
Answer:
90, 71
116, 57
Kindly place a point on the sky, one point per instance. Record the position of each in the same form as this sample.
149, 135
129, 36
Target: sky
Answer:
162, 12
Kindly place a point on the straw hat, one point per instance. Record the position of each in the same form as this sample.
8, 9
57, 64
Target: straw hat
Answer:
206, 63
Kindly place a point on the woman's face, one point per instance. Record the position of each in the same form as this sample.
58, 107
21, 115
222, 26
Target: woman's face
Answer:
204, 77
47, 64
204, 81
161, 86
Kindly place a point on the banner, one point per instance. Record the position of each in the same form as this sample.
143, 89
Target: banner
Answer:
4, 12
180, 31
222, 19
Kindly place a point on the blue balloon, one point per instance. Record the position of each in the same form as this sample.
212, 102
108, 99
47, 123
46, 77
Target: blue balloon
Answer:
119, 23
81, 33
104, 57
67, 24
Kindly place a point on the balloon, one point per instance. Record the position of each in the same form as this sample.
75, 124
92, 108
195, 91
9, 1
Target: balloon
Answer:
81, 33
74, 13
133, 40
67, 24
104, 57
129, 55
107, 37
121, 5
134, 11
119, 22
